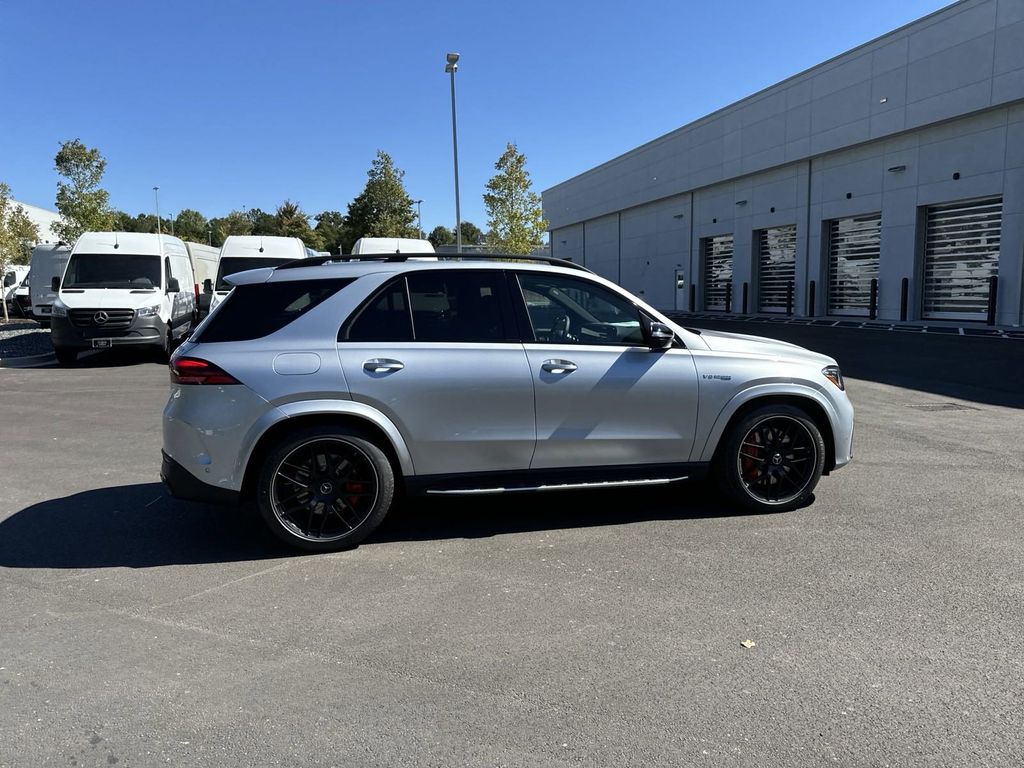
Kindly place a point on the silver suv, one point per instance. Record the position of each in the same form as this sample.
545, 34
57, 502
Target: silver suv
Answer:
321, 389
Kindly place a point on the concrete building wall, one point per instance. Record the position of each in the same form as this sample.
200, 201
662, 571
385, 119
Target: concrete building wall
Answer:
941, 96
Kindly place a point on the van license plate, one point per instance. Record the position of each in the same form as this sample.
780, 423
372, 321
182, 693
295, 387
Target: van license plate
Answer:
101, 343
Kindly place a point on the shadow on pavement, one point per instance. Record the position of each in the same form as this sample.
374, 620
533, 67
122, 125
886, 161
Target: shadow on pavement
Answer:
140, 526
976, 368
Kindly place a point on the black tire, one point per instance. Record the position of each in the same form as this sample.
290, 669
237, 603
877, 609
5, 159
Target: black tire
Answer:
66, 355
309, 504
771, 459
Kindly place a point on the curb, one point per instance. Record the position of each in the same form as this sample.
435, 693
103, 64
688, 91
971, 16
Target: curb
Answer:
29, 361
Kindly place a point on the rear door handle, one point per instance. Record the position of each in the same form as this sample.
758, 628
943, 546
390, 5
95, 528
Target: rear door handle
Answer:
558, 366
382, 365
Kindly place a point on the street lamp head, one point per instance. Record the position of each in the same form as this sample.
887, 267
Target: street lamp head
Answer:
453, 63
453, 58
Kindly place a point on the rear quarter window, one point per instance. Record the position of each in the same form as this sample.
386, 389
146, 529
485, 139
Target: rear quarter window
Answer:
254, 311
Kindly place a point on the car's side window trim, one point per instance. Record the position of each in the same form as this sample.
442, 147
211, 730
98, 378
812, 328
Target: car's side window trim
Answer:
368, 302
529, 320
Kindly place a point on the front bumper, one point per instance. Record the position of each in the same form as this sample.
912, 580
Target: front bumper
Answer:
182, 484
143, 331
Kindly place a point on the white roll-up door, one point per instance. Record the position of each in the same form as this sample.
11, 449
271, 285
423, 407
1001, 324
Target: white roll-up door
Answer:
717, 254
776, 267
854, 246
961, 254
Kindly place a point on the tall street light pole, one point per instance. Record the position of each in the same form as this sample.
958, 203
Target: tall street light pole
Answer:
419, 217
451, 67
156, 194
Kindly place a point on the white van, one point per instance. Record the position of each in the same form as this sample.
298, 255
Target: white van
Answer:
14, 280
48, 262
371, 245
123, 288
205, 261
242, 252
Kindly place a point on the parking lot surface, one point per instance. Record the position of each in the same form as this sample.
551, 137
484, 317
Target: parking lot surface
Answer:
571, 629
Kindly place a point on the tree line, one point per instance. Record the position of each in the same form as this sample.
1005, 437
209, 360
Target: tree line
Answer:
383, 209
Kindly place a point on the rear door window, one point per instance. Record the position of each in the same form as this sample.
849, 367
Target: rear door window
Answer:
255, 311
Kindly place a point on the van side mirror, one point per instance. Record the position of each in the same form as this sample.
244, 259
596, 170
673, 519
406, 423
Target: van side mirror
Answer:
54, 283
172, 285
8, 280
207, 285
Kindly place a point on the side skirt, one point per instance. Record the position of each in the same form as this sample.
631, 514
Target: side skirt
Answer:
542, 480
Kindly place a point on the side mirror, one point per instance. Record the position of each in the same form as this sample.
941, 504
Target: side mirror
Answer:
54, 284
8, 280
172, 285
660, 336
207, 285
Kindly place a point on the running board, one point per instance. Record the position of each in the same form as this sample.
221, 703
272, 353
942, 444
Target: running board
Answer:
560, 487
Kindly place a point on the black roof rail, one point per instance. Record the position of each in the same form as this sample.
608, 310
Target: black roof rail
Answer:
401, 257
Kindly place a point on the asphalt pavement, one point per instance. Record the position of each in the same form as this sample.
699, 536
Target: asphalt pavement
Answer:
574, 629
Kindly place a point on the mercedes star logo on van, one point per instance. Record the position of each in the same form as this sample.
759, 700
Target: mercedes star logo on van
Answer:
100, 317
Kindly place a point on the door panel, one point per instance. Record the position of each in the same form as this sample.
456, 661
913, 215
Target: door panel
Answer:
619, 405
460, 407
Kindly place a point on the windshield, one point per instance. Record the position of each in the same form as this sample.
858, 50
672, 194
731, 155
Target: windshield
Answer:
230, 265
119, 270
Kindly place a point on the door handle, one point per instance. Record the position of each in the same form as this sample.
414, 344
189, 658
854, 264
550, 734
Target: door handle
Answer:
382, 365
558, 366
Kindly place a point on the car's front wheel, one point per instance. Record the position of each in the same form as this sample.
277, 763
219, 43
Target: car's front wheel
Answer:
325, 489
772, 459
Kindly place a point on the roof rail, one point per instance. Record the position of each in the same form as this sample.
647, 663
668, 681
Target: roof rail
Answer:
401, 257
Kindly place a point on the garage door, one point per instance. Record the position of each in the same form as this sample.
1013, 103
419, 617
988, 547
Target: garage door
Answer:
854, 246
717, 270
961, 253
776, 267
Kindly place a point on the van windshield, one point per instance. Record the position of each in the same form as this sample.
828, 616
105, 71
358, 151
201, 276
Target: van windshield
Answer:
230, 265
117, 270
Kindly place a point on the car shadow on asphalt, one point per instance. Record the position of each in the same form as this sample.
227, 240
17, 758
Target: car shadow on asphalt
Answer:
141, 526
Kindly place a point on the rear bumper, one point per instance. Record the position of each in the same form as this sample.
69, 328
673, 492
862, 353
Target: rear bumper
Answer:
182, 484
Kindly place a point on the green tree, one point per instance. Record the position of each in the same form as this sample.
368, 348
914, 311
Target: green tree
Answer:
16, 232
291, 221
235, 223
191, 225
383, 208
330, 226
440, 235
261, 222
83, 205
514, 213
471, 233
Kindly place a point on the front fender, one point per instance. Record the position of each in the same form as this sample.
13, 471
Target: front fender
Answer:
348, 408
788, 389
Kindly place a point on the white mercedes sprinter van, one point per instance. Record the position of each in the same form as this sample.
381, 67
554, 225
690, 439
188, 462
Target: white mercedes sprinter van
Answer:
123, 288
242, 252
205, 260
48, 262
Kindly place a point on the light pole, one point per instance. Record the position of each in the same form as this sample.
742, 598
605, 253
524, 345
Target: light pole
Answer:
209, 229
452, 67
419, 217
156, 194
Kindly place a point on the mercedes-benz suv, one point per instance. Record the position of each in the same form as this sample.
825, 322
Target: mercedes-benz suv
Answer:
320, 389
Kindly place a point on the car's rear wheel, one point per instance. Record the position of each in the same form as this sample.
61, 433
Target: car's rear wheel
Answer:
772, 459
325, 489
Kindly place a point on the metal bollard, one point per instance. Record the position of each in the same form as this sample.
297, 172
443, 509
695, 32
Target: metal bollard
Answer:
904, 295
873, 301
789, 298
810, 299
728, 297
693, 296
993, 290
745, 290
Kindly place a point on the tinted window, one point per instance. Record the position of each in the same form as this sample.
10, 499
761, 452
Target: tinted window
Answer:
457, 306
566, 310
385, 318
116, 270
255, 311
231, 265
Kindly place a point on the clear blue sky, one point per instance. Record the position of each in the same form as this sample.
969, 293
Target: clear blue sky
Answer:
226, 104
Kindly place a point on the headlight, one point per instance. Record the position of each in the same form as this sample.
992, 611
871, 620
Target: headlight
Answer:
58, 310
148, 311
833, 374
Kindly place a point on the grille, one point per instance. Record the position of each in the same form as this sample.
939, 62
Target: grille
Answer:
117, 319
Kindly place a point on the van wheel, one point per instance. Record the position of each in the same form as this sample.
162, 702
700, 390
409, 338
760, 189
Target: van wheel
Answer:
324, 489
772, 459
66, 355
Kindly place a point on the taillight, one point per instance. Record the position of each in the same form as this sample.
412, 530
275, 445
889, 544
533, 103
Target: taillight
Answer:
192, 370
